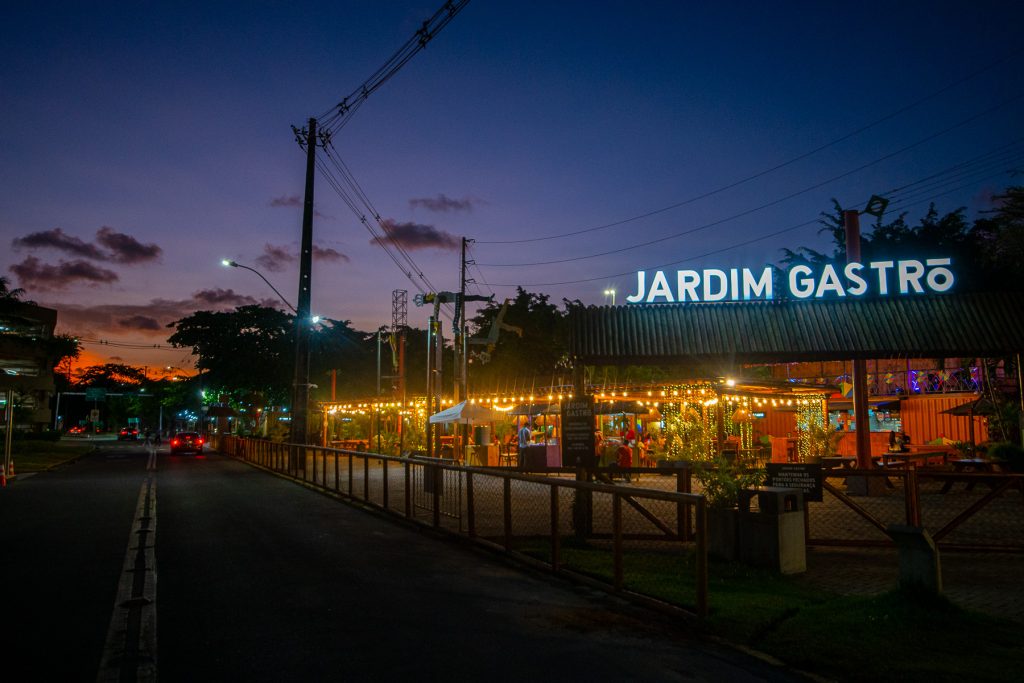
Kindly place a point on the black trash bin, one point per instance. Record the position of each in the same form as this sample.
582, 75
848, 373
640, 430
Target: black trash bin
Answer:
773, 535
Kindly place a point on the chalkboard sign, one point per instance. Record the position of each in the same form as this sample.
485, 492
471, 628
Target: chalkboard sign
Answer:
806, 477
578, 432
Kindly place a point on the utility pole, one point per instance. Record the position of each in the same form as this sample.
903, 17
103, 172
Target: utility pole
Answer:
463, 390
431, 331
300, 401
379, 331
399, 323
459, 369
851, 225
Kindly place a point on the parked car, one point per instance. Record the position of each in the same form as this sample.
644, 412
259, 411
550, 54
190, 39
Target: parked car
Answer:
128, 434
187, 442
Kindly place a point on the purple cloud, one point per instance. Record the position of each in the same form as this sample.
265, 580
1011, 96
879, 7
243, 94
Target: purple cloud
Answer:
417, 236
222, 297
442, 203
329, 254
149, 318
275, 258
125, 248
34, 274
61, 241
140, 322
292, 200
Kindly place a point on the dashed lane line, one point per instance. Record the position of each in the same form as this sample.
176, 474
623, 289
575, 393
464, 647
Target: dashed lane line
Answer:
130, 651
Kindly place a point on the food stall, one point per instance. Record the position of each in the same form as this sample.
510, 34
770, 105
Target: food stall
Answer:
466, 413
545, 430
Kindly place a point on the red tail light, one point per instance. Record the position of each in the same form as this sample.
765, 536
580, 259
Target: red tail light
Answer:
174, 442
199, 441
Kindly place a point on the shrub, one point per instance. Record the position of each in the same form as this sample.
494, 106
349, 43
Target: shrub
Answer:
1011, 454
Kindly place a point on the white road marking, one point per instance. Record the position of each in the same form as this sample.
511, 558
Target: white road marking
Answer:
130, 650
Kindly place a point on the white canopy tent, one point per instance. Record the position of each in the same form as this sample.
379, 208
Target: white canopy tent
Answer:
465, 414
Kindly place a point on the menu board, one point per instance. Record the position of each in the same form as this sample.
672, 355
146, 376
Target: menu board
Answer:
578, 432
806, 477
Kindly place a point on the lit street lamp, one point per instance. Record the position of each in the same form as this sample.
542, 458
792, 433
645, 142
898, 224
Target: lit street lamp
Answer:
304, 322
234, 264
611, 293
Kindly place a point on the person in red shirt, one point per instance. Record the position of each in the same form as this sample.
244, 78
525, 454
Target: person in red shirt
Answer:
629, 434
624, 457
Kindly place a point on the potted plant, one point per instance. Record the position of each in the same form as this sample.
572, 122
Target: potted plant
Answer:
822, 442
721, 482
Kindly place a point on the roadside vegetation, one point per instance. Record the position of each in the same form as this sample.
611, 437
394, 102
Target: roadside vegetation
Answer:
31, 455
898, 635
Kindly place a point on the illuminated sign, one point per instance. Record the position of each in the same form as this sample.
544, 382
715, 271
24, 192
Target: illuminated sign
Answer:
879, 278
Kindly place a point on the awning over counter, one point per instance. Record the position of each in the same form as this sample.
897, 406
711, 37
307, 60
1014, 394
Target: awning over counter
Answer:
466, 413
887, 402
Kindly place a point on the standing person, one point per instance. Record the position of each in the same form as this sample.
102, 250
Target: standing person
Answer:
525, 437
628, 434
644, 447
624, 457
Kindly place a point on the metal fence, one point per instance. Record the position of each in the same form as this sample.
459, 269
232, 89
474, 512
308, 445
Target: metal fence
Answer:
640, 541
961, 511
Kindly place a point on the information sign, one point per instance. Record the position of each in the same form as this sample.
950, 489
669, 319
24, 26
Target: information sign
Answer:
578, 432
804, 476
95, 394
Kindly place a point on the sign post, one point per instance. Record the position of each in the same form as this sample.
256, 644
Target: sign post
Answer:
804, 476
95, 394
578, 432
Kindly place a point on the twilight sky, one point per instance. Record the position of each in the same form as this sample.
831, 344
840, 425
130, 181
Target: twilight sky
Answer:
144, 141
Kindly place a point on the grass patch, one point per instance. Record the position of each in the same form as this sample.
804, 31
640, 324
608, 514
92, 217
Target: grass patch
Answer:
897, 635
36, 456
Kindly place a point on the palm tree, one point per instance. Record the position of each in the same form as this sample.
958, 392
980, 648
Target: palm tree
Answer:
10, 294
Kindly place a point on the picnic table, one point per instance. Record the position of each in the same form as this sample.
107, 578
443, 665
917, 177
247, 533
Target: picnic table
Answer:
971, 466
901, 458
838, 463
349, 444
933, 452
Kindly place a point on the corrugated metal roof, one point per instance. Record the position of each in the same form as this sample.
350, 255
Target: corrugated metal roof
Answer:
968, 324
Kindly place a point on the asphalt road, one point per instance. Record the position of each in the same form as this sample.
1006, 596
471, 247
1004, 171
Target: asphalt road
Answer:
259, 579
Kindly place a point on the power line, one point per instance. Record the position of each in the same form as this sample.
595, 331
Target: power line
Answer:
353, 196
775, 202
126, 345
337, 116
737, 245
483, 278
774, 168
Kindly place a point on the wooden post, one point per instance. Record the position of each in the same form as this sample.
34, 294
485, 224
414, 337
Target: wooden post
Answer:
470, 506
617, 541
556, 539
851, 224
408, 489
702, 560
506, 512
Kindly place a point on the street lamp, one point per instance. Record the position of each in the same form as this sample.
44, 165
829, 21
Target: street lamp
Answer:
304, 321
611, 293
234, 264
